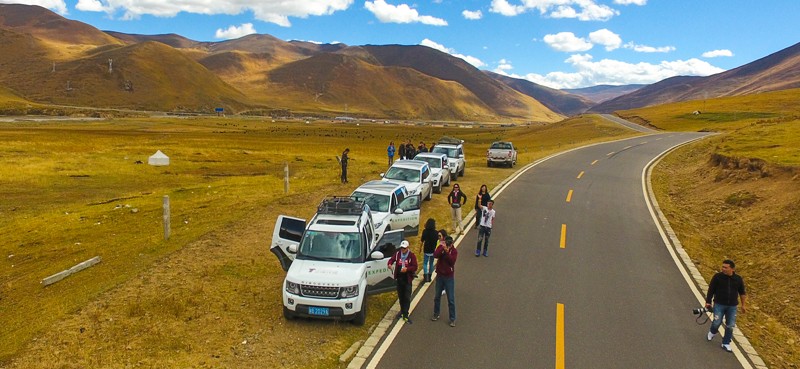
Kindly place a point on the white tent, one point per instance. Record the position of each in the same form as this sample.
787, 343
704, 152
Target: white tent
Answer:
158, 159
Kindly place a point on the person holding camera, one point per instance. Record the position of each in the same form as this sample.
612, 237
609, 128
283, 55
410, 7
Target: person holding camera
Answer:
456, 199
445, 281
404, 266
726, 288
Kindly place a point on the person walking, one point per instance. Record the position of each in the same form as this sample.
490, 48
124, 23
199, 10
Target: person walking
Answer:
726, 288
485, 230
390, 152
404, 266
481, 199
445, 280
430, 238
456, 198
344, 161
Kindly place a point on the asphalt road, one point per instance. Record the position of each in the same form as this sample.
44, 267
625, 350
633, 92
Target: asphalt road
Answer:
611, 297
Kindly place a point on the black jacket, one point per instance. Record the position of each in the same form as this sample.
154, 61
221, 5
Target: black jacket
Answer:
725, 290
484, 200
430, 238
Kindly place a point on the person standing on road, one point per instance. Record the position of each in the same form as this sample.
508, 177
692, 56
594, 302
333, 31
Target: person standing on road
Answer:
344, 161
456, 198
430, 237
485, 230
390, 152
726, 288
481, 199
445, 281
404, 266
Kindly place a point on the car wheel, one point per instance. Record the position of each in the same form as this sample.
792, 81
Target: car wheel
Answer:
454, 175
462, 171
361, 316
288, 314
438, 188
489, 164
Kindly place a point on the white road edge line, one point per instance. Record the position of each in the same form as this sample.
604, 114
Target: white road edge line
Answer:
673, 245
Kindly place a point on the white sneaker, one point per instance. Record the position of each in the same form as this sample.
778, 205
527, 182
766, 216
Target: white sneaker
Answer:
727, 347
710, 336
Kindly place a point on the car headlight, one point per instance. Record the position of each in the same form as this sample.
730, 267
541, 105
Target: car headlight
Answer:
347, 292
293, 288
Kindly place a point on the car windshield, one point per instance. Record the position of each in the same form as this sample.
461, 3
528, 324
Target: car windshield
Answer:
501, 146
450, 152
435, 163
331, 246
378, 203
402, 174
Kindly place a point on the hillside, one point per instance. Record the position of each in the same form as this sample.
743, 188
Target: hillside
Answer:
558, 101
778, 71
601, 93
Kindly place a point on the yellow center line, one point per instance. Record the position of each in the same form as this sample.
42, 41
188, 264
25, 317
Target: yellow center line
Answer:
580, 175
563, 243
594, 162
559, 336
569, 196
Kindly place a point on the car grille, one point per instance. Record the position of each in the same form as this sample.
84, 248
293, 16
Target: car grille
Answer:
319, 291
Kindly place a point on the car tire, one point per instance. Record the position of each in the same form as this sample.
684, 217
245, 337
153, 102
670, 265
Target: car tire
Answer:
462, 171
361, 317
288, 314
454, 175
438, 188
430, 196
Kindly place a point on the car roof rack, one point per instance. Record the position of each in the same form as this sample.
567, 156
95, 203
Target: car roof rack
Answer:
341, 205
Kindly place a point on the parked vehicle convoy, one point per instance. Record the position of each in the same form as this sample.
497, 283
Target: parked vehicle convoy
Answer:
454, 149
391, 205
413, 174
333, 261
501, 153
440, 173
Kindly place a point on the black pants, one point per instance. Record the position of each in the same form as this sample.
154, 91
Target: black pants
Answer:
344, 173
404, 294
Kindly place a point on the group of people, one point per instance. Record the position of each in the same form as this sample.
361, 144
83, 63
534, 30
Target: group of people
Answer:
406, 151
438, 245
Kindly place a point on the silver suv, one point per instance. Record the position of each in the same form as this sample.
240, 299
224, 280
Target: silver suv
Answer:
455, 157
413, 174
440, 174
391, 205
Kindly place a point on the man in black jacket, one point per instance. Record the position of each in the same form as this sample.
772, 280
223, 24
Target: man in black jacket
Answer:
726, 288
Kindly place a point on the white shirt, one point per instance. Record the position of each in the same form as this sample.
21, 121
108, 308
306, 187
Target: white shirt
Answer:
487, 217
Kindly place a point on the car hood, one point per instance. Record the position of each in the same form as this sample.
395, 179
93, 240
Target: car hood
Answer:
410, 186
379, 217
325, 273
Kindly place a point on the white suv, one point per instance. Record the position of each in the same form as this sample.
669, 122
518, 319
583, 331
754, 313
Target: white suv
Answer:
440, 174
333, 261
455, 156
413, 174
391, 206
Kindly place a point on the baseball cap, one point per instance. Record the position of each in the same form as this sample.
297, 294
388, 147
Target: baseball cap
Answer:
404, 244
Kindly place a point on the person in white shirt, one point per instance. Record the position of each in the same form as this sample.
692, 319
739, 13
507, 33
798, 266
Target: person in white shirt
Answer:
487, 216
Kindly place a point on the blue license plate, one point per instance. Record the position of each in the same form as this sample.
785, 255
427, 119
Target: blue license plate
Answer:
323, 311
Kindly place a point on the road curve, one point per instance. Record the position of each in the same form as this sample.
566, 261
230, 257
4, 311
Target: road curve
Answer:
578, 276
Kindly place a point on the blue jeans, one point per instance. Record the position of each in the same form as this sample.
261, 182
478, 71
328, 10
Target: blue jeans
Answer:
449, 286
427, 264
729, 312
483, 237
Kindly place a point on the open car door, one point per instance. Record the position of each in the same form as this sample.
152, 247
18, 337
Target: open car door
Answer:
288, 232
379, 276
409, 220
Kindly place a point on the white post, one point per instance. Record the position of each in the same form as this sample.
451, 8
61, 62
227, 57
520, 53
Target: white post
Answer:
166, 218
286, 178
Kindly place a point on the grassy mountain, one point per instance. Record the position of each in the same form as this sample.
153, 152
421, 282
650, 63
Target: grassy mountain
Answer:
778, 71
556, 100
601, 93
171, 39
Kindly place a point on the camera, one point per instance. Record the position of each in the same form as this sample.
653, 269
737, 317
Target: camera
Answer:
700, 310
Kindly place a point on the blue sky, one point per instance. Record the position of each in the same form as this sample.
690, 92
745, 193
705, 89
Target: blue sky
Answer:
557, 43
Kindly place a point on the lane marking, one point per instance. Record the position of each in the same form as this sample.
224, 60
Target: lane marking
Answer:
609, 154
643, 143
580, 175
569, 196
625, 148
594, 162
559, 336
563, 243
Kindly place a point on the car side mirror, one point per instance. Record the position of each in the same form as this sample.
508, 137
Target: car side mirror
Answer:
382, 174
292, 249
398, 211
376, 255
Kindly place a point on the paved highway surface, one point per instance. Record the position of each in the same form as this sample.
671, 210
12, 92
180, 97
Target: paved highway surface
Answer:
577, 277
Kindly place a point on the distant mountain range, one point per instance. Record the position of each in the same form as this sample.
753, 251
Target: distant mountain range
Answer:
49, 59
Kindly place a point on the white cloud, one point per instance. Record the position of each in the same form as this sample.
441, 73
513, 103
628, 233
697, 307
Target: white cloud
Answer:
615, 72
604, 37
716, 53
273, 11
235, 32
503, 66
477, 63
648, 49
631, 2
587, 10
568, 42
58, 6
402, 13
472, 15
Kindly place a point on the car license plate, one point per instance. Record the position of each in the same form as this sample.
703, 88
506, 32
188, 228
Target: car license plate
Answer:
313, 310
